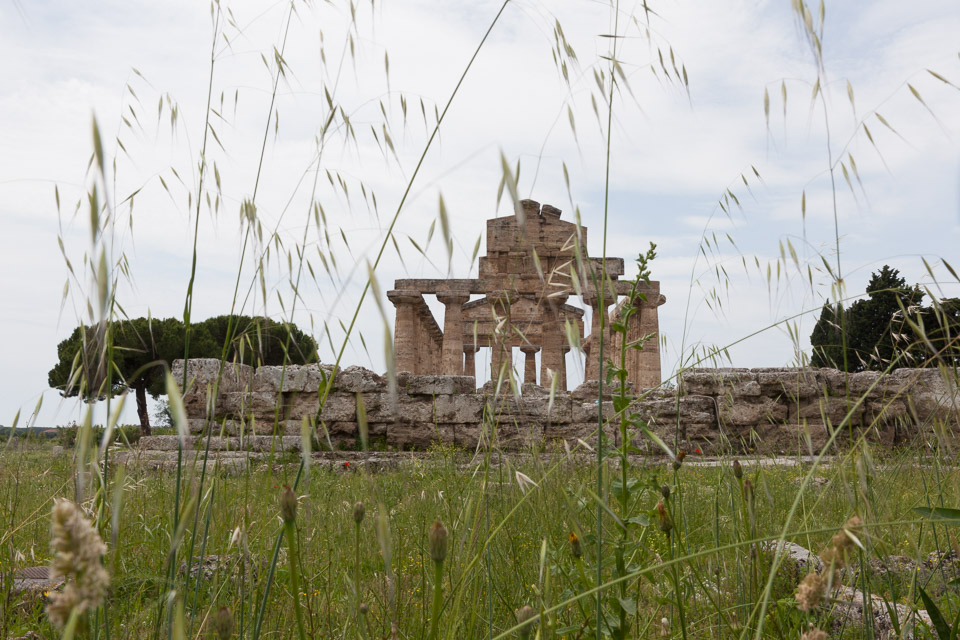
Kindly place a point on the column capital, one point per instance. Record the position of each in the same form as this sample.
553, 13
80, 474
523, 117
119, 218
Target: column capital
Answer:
527, 348
404, 296
453, 297
650, 303
593, 299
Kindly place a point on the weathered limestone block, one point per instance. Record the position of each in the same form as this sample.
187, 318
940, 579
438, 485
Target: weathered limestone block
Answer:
701, 434
840, 384
864, 382
883, 412
380, 407
441, 409
164, 443
536, 407
418, 435
464, 408
721, 381
589, 391
931, 396
586, 431
293, 377
239, 404
275, 444
519, 436
236, 377
431, 385
529, 389
689, 409
338, 407
586, 411
355, 379
818, 410
791, 382
341, 432
750, 411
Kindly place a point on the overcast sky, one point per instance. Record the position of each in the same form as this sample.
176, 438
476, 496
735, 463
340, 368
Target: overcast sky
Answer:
674, 155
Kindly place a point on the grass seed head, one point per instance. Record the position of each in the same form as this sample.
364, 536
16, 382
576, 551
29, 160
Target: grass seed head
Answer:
526, 616
438, 542
679, 461
358, 512
737, 470
663, 518
223, 624
810, 592
77, 557
665, 491
575, 548
815, 634
288, 505
364, 608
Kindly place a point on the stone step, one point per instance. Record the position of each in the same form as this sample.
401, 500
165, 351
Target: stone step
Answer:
218, 443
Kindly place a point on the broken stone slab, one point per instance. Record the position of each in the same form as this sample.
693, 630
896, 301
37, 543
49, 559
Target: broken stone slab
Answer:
822, 409
793, 383
590, 390
538, 407
796, 555
586, 411
292, 377
204, 371
849, 605
34, 580
211, 565
419, 435
356, 379
431, 385
692, 409
750, 411
721, 381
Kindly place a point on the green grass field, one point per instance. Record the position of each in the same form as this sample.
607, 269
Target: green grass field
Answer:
509, 546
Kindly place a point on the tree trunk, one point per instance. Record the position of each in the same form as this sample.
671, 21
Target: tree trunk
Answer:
142, 410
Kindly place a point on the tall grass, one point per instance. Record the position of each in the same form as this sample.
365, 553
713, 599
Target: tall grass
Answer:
549, 546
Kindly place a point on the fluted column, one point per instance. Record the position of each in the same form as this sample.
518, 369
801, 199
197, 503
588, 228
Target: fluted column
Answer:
649, 374
501, 353
563, 366
552, 342
596, 330
452, 356
469, 362
529, 363
405, 347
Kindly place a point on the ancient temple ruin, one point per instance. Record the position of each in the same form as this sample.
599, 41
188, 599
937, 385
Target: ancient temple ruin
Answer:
534, 263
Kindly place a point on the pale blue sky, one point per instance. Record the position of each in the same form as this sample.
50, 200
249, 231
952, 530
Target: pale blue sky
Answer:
672, 158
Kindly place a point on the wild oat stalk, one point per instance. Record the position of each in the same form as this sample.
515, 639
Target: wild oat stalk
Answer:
438, 553
288, 510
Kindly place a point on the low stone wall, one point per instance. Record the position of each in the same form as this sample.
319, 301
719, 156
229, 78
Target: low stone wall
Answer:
738, 410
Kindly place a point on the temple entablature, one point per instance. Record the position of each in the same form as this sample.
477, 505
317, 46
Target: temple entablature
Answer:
534, 263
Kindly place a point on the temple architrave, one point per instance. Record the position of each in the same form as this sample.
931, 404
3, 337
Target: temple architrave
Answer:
529, 272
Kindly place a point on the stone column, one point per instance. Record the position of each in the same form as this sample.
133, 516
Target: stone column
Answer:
563, 366
452, 356
552, 342
649, 374
501, 353
529, 364
469, 363
593, 358
405, 347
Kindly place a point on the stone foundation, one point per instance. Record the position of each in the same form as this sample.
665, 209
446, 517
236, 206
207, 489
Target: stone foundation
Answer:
714, 410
